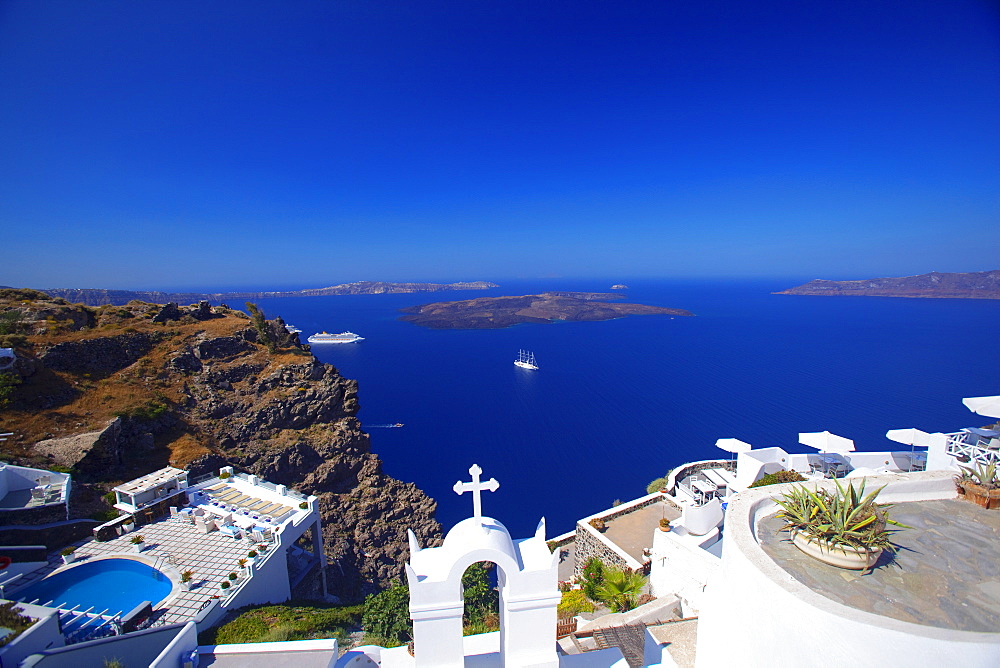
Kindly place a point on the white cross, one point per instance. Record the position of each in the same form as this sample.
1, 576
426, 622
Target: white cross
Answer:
476, 488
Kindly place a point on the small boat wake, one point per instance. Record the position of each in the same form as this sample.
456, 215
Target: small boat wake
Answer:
384, 426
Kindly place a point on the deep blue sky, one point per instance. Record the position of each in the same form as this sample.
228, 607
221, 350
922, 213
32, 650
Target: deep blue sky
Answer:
174, 144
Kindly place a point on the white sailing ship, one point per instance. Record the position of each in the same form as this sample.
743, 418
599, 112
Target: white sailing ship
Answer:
526, 360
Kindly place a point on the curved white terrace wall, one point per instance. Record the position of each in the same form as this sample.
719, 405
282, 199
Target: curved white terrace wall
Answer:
756, 614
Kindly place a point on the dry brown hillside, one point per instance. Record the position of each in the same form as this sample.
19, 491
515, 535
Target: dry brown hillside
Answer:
112, 392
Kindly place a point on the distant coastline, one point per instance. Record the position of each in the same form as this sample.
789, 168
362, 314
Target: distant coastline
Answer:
100, 297
500, 312
935, 285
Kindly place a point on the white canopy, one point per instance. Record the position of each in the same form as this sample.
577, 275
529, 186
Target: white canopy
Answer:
988, 406
824, 441
911, 436
733, 445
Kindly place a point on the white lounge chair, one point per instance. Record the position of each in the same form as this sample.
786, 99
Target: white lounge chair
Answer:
205, 526
230, 530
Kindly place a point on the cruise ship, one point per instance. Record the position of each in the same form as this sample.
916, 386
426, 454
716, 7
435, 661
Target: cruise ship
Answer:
343, 337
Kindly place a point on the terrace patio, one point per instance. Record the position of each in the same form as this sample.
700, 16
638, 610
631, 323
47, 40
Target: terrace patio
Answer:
172, 545
946, 573
205, 528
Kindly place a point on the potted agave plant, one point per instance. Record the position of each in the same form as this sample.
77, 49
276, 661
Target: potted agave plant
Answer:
842, 528
981, 485
68, 554
137, 542
186, 577
664, 524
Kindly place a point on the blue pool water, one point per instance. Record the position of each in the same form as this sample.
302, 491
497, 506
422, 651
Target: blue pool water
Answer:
115, 585
618, 403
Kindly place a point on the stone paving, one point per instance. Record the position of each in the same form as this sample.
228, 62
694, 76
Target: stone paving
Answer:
175, 545
945, 574
633, 533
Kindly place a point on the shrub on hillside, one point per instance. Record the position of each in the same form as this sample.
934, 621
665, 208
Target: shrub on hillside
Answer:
593, 578
387, 617
778, 478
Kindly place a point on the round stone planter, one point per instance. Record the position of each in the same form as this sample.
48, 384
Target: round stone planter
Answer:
841, 556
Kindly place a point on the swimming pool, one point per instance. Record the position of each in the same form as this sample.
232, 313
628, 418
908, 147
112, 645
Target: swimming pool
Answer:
114, 584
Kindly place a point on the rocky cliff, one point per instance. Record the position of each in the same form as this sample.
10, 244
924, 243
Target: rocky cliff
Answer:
111, 393
974, 285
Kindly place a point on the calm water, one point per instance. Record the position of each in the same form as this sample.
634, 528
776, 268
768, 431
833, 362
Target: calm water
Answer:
618, 403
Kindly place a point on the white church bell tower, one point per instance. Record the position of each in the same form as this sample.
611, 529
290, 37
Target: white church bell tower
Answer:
527, 576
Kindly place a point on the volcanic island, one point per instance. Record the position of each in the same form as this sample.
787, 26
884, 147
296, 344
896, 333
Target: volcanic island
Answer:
500, 312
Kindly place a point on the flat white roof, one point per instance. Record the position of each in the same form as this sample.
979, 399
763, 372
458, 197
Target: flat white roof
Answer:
151, 480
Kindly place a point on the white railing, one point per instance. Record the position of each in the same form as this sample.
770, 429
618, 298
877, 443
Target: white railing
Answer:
80, 626
968, 447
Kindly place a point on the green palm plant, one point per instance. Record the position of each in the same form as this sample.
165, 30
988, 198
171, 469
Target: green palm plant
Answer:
621, 589
845, 517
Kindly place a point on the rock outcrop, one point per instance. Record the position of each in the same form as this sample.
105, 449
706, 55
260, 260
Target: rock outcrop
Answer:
100, 356
499, 312
116, 392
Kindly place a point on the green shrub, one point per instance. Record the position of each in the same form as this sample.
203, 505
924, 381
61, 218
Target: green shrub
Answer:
148, 411
573, 603
778, 478
103, 516
656, 485
13, 340
593, 578
288, 621
8, 381
387, 616
22, 294
11, 618
487, 624
481, 599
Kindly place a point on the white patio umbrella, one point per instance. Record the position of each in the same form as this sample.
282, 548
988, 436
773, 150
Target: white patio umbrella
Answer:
824, 441
988, 406
733, 445
911, 436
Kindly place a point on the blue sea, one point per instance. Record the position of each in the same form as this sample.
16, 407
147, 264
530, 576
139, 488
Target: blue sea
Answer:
616, 404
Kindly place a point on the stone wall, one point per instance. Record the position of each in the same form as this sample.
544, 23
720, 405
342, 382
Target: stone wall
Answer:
591, 543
